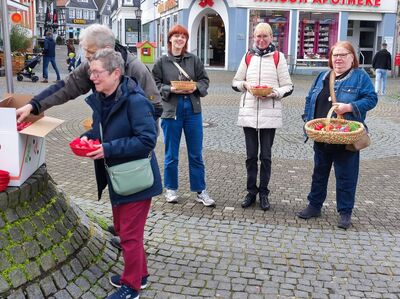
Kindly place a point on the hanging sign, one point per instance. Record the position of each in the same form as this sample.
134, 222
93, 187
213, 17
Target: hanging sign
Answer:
204, 3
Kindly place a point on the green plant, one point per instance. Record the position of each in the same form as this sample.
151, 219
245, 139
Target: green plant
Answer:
19, 38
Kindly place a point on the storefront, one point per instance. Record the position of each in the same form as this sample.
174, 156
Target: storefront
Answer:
221, 31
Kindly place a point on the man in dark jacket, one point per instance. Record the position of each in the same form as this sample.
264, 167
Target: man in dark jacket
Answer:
78, 82
382, 62
49, 55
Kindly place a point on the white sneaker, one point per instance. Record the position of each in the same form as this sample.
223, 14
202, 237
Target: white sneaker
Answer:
205, 199
171, 196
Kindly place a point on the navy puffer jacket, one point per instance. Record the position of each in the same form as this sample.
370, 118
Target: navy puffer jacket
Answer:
129, 133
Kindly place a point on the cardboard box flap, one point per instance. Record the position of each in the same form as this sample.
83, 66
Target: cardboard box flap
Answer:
15, 100
42, 127
8, 120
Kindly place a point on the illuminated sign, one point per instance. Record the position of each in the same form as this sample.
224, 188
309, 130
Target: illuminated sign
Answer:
79, 21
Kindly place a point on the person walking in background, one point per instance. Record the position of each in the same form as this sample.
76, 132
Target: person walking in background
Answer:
49, 56
355, 96
182, 111
260, 116
129, 133
382, 62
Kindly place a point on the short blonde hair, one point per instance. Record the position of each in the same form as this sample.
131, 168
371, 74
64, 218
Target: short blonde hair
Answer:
263, 28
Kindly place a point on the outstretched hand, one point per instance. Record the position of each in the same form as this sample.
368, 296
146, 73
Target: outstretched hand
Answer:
23, 112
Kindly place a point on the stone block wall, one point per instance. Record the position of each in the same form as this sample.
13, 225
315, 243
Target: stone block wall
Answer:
48, 247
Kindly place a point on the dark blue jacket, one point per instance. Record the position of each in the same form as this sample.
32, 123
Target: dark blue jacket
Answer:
129, 133
49, 47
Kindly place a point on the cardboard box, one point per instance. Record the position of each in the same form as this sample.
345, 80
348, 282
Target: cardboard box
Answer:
22, 153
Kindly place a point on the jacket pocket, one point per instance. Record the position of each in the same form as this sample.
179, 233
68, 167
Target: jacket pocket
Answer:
347, 94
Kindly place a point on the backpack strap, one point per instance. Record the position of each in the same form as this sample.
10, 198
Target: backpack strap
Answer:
276, 58
250, 55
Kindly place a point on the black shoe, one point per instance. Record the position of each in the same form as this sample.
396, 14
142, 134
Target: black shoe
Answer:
111, 229
344, 221
264, 203
309, 212
116, 243
248, 200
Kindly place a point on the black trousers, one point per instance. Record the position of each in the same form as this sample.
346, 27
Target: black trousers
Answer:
254, 138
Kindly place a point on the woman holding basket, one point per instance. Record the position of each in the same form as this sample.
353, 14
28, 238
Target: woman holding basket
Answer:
260, 115
355, 96
182, 112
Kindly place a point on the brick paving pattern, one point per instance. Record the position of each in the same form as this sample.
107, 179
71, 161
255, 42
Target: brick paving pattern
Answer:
228, 252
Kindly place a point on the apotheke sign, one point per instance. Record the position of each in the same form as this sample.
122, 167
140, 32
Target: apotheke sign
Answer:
374, 3
377, 6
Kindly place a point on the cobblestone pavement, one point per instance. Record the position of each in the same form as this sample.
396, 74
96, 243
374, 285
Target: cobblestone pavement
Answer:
228, 252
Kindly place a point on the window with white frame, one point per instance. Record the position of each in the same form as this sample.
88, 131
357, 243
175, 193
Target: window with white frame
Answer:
128, 2
92, 15
71, 13
85, 14
79, 14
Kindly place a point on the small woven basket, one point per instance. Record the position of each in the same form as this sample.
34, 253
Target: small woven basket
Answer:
333, 137
261, 92
183, 85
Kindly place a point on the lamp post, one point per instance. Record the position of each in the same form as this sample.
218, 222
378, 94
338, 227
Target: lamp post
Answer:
138, 14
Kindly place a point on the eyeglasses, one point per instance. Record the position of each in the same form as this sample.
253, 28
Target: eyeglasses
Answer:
341, 55
96, 74
262, 36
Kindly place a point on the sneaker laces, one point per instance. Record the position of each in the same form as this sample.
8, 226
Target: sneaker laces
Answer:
205, 198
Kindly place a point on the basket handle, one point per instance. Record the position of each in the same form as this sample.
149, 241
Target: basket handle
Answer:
329, 116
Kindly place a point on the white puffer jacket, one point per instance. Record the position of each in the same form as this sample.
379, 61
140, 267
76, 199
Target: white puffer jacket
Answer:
255, 112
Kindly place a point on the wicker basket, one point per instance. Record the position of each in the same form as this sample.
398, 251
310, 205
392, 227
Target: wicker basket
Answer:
183, 85
261, 91
333, 137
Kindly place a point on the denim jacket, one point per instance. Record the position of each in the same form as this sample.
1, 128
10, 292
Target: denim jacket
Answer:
355, 89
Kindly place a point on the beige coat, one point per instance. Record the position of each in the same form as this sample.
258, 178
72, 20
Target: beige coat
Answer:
255, 112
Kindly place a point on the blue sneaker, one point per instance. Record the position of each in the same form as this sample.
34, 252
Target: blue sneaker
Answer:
115, 280
124, 292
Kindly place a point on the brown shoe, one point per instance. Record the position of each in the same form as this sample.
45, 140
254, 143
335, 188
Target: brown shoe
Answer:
44, 81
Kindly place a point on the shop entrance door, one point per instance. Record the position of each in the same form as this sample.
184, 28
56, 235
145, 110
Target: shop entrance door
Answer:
211, 40
366, 43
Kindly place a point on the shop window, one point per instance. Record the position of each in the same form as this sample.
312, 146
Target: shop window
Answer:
317, 34
279, 21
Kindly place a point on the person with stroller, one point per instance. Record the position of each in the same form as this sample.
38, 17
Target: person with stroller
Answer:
49, 56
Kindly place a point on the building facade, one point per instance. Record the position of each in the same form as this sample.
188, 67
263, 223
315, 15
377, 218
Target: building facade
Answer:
221, 30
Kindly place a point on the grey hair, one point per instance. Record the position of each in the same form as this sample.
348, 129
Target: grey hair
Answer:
110, 59
97, 35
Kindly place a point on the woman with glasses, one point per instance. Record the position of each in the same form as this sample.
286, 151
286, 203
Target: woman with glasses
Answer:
182, 112
261, 116
355, 96
125, 117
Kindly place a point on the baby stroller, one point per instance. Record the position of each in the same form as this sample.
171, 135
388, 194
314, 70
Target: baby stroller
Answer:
31, 60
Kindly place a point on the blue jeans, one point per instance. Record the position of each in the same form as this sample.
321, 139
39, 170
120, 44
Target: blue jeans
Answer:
346, 165
380, 81
192, 125
46, 61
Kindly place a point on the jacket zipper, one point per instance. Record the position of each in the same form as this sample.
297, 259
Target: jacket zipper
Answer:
259, 83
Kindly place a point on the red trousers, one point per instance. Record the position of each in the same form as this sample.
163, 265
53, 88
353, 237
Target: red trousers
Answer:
129, 222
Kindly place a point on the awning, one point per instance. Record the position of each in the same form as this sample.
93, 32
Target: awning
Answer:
14, 5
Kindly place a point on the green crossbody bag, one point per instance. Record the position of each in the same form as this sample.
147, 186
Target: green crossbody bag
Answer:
130, 177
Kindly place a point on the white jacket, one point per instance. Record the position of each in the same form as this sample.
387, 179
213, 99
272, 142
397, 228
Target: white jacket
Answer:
255, 112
